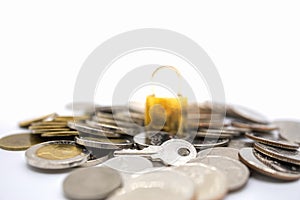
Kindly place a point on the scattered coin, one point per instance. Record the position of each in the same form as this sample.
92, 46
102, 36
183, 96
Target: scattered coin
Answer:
41, 131
210, 183
59, 133
248, 114
271, 142
289, 130
236, 172
19, 142
157, 184
220, 151
129, 164
255, 127
27, 123
93, 161
212, 135
91, 183
104, 143
58, 154
203, 143
148, 138
288, 156
248, 158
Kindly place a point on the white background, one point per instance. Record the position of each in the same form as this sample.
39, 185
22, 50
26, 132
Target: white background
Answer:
255, 46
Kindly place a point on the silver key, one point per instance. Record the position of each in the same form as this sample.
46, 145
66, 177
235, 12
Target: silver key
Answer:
172, 152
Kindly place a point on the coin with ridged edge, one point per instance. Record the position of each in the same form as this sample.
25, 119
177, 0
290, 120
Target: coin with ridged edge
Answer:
248, 158
220, 151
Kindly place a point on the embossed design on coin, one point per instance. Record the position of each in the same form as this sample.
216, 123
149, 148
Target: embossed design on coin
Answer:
220, 151
19, 142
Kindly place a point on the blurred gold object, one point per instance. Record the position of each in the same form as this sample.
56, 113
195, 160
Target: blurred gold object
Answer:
166, 114
58, 151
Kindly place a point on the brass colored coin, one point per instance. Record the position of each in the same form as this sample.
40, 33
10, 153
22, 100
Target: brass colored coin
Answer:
58, 151
49, 123
289, 130
60, 134
58, 154
248, 157
69, 118
256, 127
18, 142
279, 153
47, 127
272, 142
220, 151
40, 131
27, 123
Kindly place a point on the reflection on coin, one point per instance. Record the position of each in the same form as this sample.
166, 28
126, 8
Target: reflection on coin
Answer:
91, 183
289, 130
18, 142
40, 131
158, 184
256, 127
203, 143
103, 143
210, 183
248, 158
38, 119
278, 153
129, 164
58, 154
248, 114
47, 127
237, 174
220, 151
271, 142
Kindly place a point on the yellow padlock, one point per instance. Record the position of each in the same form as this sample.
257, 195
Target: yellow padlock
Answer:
166, 114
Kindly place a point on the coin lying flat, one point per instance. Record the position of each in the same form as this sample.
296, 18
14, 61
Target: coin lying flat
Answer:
279, 154
104, 143
203, 143
210, 183
220, 151
248, 158
271, 142
58, 154
38, 119
40, 131
157, 185
59, 133
289, 130
19, 142
237, 173
248, 114
255, 127
91, 183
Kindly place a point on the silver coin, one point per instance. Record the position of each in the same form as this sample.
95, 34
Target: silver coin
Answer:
222, 131
148, 138
279, 153
236, 172
91, 183
212, 135
210, 183
203, 143
275, 143
220, 151
289, 130
104, 143
248, 158
248, 114
59, 154
255, 127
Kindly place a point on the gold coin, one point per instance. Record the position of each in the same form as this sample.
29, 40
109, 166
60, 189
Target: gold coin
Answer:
60, 133
47, 127
27, 123
69, 118
58, 151
48, 123
40, 131
18, 142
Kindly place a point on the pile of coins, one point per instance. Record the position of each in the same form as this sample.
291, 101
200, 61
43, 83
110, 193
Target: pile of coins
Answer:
212, 159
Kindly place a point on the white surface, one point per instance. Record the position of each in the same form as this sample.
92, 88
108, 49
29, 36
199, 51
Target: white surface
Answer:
254, 45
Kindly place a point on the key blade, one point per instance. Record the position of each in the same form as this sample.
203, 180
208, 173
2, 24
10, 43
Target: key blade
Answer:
146, 152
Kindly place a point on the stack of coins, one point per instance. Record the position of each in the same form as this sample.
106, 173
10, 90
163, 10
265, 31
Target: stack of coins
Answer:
231, 141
